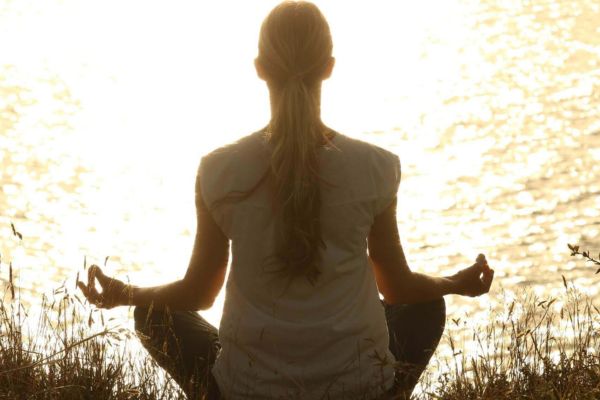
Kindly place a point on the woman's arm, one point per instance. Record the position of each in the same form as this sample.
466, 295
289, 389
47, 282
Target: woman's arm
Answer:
398, 284
196, 291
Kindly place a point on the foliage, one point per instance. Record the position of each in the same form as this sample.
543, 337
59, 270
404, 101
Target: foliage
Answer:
63, 356
585, 254
531, 348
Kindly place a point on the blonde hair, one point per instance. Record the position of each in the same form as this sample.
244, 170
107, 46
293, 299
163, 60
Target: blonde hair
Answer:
295, 49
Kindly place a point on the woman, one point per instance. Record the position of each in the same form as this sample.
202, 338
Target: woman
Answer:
311, 216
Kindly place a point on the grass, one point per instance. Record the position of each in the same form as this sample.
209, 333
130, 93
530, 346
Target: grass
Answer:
529, 348
65, 353
534, 349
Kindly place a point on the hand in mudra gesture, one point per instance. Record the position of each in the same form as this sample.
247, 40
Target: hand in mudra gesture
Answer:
474, 280
114, 292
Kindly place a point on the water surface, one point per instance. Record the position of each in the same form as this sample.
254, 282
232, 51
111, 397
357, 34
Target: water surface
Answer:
493, 108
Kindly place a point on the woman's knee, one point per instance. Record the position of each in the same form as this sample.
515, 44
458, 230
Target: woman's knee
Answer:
432, 315
436, 310
430, 310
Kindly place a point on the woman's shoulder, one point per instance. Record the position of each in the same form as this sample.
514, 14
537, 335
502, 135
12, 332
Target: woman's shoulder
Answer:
233, 164
247, 142
364, 151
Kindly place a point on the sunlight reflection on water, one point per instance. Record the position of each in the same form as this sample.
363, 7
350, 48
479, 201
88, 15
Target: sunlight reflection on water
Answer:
494, 109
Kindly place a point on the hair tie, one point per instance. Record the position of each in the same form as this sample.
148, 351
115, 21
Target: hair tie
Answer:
296, 78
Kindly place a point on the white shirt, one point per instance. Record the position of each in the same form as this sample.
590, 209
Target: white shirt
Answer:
326, 341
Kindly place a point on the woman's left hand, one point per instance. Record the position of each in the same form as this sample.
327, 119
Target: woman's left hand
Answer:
114, 292
474, 280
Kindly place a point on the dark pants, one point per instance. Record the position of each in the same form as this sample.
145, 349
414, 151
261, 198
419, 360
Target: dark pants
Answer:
185, 344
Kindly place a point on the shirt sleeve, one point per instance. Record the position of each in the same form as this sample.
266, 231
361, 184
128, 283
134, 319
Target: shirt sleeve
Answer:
208, 188
200, 184
389, 174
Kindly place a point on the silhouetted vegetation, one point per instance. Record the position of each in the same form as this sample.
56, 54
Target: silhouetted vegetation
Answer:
585, 254
535, 349
65, 349
532, 348
59, 355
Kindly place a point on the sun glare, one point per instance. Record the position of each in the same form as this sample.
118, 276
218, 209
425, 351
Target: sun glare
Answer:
107, 107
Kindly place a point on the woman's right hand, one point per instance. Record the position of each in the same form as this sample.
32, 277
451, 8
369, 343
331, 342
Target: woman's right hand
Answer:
475, 280
114, 292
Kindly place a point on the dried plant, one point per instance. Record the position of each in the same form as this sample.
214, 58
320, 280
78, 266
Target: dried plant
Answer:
585, 254
532, 348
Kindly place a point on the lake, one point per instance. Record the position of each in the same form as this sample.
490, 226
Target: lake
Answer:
493, 108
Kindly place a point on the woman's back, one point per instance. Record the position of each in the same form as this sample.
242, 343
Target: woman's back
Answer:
284, 337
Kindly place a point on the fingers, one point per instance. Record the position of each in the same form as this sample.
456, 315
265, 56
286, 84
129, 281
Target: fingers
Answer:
91, 294
89, 291
112, 290
476, 279
91, 275
474, 269
488, 278
96, 272
481, 261
487, 274
83, 289
103, 279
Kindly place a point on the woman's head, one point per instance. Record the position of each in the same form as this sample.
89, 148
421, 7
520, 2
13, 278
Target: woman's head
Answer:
294, 43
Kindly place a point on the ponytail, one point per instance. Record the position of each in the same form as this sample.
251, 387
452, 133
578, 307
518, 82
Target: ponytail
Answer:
295, 135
